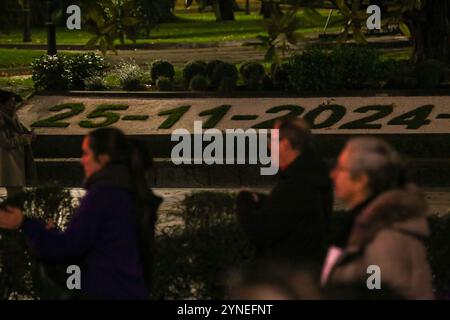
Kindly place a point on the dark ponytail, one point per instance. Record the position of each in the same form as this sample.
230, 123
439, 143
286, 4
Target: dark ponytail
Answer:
146, 206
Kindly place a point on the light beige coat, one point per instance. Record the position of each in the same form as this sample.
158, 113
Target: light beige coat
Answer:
12, 154
389, 233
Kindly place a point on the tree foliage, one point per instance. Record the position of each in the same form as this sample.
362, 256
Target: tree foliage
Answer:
110, 20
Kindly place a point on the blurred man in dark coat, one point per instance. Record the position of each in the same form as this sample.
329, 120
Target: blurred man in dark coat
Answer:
17, 167
289, 225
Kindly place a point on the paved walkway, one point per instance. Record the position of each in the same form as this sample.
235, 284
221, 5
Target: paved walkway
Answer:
180, 53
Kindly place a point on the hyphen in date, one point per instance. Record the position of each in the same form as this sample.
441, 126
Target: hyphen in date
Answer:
227, 309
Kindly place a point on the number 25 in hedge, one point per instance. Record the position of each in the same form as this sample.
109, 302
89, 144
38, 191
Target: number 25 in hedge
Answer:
102, 111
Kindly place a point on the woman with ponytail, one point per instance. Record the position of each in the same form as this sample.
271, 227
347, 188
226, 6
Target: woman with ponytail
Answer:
112, 231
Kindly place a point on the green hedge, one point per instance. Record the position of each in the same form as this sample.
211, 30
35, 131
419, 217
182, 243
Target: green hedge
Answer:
62, 71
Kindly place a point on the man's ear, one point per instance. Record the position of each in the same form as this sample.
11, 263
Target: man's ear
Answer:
363, 180
103, 159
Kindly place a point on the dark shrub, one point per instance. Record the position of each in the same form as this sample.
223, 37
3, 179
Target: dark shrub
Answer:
210, 66
195, 255
130, 76
164, 84
161, 68
198, 83
430, 73
280, 75
253, 74
83, 66
224, 71
95, 83
193, 68
61, 72
227, 84
398, 74
439, 254
18, 276
345, 67
51, 73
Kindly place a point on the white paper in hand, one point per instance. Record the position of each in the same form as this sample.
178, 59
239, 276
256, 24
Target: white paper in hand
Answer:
333, 255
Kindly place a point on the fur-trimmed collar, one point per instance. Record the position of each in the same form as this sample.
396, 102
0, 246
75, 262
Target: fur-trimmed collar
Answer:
112, 175
403, 209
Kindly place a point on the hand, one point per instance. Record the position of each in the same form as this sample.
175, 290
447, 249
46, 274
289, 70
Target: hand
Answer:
50, 225
11, 218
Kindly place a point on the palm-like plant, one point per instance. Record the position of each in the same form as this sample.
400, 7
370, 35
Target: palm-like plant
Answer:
282, 34
110, 20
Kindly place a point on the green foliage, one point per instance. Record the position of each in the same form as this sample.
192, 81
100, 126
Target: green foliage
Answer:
195, 255
60, 72
54, 121
227, 84
198, 83
110, 20
130, 75
135, 118
253, 74
398, 74
193, 68
174, 115
345, 67
51, 73
164, 84
356, 66
6, 19
83, 66
430, 73
96, 83
18, 276
282, 34
225, 73
210, 66
103, 111
403, 74
194, 252
280, 75
152, 12
161, 68
439, 255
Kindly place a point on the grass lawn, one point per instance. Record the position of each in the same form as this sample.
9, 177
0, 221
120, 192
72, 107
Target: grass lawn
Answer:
189, 28
20, 58
22, 85
13, 58
403, 54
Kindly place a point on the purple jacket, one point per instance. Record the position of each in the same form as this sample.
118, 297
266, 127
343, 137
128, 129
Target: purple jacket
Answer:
102, 235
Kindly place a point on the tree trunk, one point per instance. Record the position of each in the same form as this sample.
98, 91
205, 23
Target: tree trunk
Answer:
267, 9
224, 10
26, 21
430, 31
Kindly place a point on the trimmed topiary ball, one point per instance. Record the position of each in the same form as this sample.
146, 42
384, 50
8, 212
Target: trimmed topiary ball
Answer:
198, 83
161, 68
193, 68
210, 66
253, 74
224, 70
227, 84
164, 84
